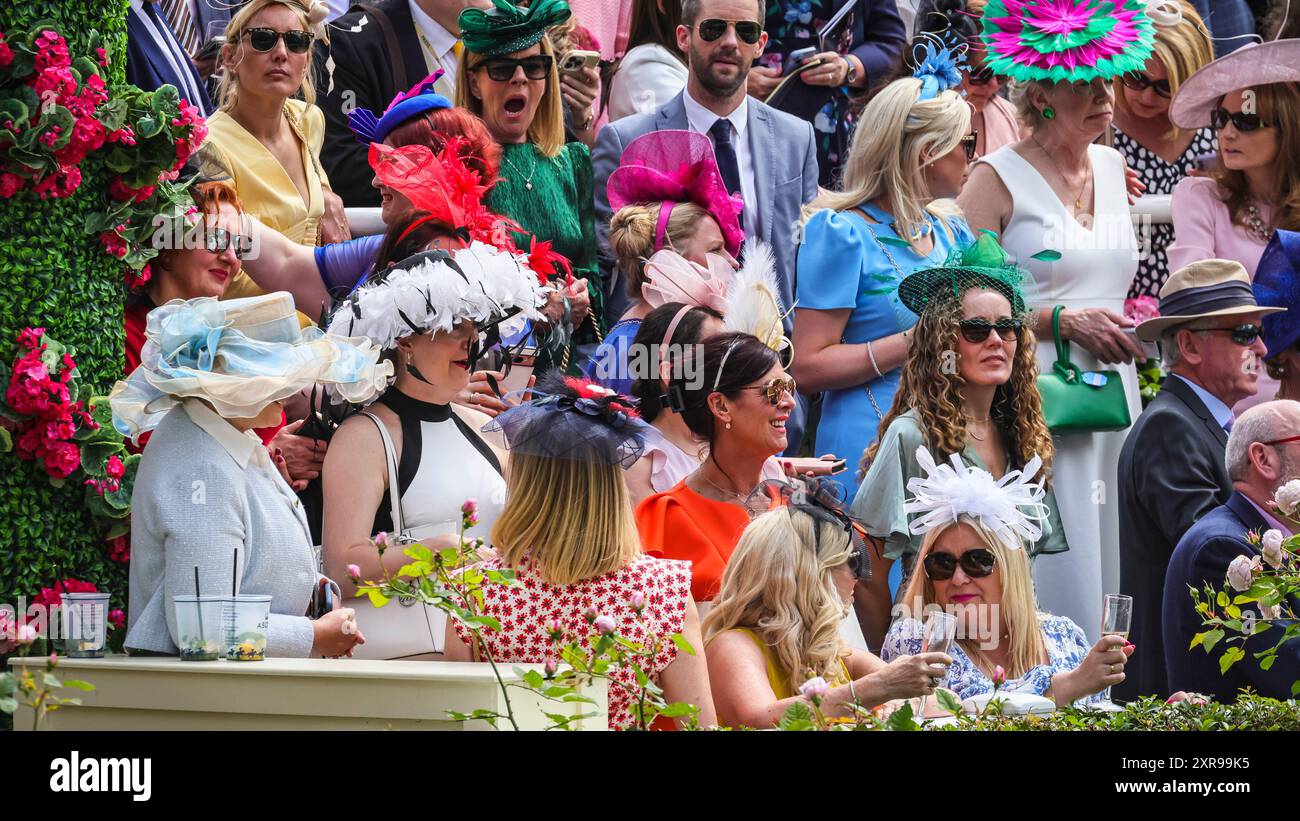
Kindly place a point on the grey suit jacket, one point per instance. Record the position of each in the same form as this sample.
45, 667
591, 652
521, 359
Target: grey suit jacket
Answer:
785, 164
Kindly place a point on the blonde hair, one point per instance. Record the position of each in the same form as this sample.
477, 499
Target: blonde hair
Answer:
1018, 609
546, 131
1019, 93
228, 84
632, 235
777, 585
881, 164
573, 518
1183, 49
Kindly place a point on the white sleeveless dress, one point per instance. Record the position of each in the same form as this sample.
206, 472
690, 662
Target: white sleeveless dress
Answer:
1096, 268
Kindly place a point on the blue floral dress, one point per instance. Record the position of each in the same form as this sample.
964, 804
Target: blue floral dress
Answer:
1066, 645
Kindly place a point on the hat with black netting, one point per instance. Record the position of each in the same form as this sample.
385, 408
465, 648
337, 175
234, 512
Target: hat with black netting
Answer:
980, 264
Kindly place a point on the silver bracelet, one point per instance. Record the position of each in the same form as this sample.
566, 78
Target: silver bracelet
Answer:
852, 692
872, 356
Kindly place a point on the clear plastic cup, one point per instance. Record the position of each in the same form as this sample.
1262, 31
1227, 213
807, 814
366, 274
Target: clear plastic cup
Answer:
244, 620
85, 625
198, 624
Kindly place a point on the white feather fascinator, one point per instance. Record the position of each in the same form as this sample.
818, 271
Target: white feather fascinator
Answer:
753, 298
1011, 508
435, 291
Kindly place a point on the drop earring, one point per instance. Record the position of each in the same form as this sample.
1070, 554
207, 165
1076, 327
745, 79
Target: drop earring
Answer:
1049, 113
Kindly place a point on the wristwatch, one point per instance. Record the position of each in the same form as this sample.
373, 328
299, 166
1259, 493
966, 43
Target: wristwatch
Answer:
852, 72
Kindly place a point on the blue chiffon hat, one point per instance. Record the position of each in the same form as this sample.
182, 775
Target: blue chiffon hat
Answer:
1277, 285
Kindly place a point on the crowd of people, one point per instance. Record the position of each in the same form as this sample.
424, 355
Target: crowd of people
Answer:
639, 258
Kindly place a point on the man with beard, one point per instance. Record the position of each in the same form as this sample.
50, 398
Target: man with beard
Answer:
766, 156
1263, 454
1171, 470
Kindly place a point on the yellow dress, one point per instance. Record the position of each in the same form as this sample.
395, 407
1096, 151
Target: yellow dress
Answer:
265, 188
779, 678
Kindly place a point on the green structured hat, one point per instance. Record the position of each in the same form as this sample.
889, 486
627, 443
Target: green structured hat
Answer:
506, 28
982, 263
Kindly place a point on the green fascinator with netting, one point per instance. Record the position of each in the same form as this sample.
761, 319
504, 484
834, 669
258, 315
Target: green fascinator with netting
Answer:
980, 264
506, 28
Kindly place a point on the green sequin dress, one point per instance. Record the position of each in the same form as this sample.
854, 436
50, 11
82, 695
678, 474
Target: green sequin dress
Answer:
559, 208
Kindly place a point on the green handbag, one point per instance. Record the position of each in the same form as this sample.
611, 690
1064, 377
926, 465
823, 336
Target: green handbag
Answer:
1073, 403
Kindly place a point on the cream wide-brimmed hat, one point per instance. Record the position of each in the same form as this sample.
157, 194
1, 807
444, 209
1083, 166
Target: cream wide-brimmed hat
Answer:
239, 356
1211, 287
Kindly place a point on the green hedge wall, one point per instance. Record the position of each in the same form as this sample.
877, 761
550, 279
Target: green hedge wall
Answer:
53, 274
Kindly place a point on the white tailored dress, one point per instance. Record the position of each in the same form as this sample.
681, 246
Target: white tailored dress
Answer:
1096, 268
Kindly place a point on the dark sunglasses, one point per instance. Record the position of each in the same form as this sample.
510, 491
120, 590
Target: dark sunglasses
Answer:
1245, 123
980, 77
775, 388
1138, 81
217, 240
969, 142
747, 30
977, 564
1242, 334
976, 331
502, 69
262, 39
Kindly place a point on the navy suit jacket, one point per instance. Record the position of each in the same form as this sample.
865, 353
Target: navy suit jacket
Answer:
785, 166
1202, 557
147, 65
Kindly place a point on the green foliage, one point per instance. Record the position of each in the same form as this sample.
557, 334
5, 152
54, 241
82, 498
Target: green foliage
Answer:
54, 275
1249, 712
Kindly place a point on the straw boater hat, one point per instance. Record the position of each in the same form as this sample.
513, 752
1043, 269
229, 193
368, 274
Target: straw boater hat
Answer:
1211, 287
1251, 65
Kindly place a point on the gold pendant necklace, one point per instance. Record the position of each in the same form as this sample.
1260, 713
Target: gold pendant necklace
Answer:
1078, 198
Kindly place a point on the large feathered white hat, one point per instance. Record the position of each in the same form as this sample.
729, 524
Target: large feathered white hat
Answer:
1010, 508
436, 291
753, 299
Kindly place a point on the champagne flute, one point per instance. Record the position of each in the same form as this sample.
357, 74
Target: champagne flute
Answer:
940, 630
1116, 619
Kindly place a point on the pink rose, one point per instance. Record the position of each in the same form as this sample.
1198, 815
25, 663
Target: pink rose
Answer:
550, 667
590, 614
554, 629
117, 618
26, 634
637, 602
604, 625
1241, 572
381, 541
999, 676
354, 573
1271, 547
814, 688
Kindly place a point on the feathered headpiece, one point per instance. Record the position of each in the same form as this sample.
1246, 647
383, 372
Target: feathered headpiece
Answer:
1009, 508
938, 66
982, 263
670, 277
1067, 40
435, 291
419, 99
506, 28
573, 419
669, 167
754, 302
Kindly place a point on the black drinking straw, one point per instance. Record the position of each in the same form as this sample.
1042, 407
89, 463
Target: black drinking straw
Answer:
234, 575
198, 602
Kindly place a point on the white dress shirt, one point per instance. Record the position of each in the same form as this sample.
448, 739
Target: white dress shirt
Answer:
438, 46
701, 120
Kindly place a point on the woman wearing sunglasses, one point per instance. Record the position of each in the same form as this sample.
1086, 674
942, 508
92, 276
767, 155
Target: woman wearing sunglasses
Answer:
267, 139
775, 622
736, 404
893, 214
1252, 99
1161, 153
973, 565
981, 404
508, 77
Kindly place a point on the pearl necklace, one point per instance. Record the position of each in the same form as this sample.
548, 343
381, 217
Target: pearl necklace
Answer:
528, 180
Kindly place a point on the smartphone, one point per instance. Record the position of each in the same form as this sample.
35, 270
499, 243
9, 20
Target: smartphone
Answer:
817, 467
322, 600
797, 58
521, 367
576, 60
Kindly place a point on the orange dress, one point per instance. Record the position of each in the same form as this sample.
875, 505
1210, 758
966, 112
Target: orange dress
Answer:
681, 524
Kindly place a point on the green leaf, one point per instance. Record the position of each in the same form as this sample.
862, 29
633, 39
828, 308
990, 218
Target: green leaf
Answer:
1232, 611
1222, 599
796, 713
1197, 639
484, 621
1230, 657
8, 705
1267, 662
78, 684
948, 701
1212, 638
679, 709
682, 644
6, 441
901, 719
534, 679
377, 599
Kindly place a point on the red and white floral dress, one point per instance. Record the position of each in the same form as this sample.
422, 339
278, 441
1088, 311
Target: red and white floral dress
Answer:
524, 610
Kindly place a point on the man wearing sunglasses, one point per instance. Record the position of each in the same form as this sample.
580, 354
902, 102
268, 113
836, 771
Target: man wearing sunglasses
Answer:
1263, 454
1171, 470
380, 49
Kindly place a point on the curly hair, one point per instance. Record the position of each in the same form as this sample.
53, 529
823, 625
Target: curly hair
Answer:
936, 395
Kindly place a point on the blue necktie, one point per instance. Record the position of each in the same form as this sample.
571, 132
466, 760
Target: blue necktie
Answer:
1227, 426
725, 150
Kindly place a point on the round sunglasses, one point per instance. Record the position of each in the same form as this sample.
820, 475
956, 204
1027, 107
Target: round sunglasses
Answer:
747, 30
264, 39
977, 330
1241, 334
502, 69
1243, 122
977, 563
775, 388
1138, 81
217, 240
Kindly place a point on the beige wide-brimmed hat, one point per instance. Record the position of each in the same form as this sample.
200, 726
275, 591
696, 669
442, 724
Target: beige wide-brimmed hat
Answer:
1211, 287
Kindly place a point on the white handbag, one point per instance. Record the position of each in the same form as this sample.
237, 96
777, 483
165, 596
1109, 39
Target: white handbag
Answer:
401, 629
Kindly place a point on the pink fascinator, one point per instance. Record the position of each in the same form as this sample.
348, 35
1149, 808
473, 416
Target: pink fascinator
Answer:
670, 277
671, 167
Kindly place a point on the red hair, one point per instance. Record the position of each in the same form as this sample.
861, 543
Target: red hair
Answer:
210, 196
431, 129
